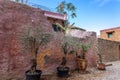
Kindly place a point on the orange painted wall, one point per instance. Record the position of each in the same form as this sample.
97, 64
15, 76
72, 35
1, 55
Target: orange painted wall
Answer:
115, 37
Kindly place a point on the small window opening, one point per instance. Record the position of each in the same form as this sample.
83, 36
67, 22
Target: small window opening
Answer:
56, 28
110, 34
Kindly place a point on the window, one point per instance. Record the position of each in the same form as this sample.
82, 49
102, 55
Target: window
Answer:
56, 28
110, 34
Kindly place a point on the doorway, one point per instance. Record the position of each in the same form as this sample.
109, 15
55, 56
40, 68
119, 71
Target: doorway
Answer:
119, 51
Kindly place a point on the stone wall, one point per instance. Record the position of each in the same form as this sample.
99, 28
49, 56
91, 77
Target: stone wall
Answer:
49, 59
13, 61
110, 50
88, 37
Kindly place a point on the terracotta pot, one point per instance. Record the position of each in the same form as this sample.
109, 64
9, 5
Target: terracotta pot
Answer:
81, 64
101, 66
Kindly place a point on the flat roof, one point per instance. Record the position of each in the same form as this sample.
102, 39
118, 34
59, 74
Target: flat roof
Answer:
55, 15
110, 29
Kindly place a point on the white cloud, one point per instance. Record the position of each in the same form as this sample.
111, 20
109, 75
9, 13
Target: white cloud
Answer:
103, 2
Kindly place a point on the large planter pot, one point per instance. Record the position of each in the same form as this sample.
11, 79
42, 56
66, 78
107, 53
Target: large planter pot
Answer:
33, 76
101, 66
63, 71
81, 64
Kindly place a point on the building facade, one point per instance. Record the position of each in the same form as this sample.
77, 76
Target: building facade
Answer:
112, 34
53, 18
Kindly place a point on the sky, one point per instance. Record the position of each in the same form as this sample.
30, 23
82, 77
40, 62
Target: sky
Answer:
92, 15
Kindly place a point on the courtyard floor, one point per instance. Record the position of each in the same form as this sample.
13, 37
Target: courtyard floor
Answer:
111, 73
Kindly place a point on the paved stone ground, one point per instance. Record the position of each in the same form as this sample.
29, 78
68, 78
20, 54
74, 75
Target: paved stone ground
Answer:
111, 73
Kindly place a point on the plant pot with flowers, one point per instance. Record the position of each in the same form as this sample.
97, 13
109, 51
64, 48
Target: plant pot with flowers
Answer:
33, 38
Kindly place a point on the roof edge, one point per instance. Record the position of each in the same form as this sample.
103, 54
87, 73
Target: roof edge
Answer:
110, 29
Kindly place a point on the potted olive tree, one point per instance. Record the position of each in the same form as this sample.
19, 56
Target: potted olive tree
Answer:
100, 64
81, 59
32, 39
66, 46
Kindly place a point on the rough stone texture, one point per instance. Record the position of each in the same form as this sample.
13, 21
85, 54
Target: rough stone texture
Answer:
14, 62
89, 38
81, 33
52, 58
110, 50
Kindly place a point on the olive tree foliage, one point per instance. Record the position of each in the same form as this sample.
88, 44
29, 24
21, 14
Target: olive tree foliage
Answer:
67, 46
33, 38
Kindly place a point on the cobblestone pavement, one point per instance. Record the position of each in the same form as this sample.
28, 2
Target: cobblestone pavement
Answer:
111, 73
